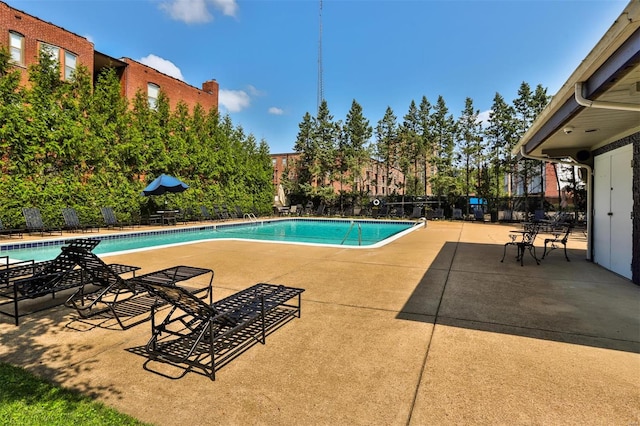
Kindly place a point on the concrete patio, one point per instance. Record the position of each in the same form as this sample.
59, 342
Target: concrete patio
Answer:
429, 329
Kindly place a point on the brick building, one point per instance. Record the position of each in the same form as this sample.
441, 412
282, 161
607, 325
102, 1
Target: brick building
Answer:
25, 36
372, 176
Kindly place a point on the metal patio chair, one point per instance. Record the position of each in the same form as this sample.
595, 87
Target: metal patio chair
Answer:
558, 238
524, 240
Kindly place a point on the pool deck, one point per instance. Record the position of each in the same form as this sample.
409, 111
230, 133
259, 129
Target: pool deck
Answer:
429, 329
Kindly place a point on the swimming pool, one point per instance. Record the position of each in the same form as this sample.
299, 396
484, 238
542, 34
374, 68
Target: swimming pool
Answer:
333, 232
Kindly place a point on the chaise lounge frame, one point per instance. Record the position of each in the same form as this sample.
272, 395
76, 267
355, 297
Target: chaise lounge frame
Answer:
124, 297
205, 337
20, 281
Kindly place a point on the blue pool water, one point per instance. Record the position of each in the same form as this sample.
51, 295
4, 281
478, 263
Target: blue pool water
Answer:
302, 231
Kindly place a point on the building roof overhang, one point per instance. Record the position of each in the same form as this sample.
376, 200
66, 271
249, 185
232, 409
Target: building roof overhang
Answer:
609, 75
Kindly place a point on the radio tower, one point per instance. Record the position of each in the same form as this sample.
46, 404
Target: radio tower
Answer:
320, 88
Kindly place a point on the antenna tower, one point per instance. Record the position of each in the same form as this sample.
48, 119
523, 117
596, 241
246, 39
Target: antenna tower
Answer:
320, 84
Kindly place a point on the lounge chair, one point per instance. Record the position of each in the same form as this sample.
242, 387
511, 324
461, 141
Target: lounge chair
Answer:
320, 210
400, 211
457, 214
416, 213
123, 298
478, 214
110, 219
308, 209
558, 238
205, 336
31, 280
204, 214
438, 213
231, 213
9, 232
524, 240
248, 216
72, 222
35, 224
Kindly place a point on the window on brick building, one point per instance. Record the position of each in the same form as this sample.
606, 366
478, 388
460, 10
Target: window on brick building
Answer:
16, 42
70, 61
284, 162
52, 51
153, 90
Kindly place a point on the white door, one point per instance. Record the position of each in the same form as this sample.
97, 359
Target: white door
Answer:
613, 204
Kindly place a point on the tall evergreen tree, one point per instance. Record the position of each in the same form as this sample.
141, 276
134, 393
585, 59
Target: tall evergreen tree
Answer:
470, 147
500, 135
387, 141
356, 152
411, 146
444, 128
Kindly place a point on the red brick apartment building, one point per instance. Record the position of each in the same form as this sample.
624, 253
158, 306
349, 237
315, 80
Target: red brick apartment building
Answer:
372, 182
25, 35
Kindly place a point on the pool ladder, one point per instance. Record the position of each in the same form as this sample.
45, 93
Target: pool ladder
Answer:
250, 216
349, 231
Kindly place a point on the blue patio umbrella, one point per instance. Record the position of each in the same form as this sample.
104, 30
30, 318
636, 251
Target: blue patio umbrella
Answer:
163, 184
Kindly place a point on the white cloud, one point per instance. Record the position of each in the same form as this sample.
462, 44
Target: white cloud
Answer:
254, 91
483, 117
162, 65
234, 100
196, 11
276, 111
228, 7
189, 11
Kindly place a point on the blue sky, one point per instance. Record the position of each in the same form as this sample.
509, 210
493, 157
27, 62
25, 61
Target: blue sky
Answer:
264, 53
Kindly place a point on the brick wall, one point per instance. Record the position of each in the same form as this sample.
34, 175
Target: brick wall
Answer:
35, 31
136, 77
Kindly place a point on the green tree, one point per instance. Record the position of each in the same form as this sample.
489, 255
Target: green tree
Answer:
500, 137
470, 145
355, 150
386, 147
444, 127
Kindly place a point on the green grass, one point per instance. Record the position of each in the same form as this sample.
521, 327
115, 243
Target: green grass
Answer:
29, 400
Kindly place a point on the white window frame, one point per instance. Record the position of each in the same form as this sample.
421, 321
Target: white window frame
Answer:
69, 70
153, 90
16, 46
54, 51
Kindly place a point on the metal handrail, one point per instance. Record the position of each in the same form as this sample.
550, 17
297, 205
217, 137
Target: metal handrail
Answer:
349, 231
250, 216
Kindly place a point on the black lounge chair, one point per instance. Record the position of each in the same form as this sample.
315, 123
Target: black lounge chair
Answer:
558, 238
123, 298
110, 219
204, 213
31, 280
9, 232
35, 224
416, 213
221, 212
527, 238
72, 222
204, 337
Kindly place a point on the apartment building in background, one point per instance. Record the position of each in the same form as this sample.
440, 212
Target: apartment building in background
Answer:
25, 36
373, 182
